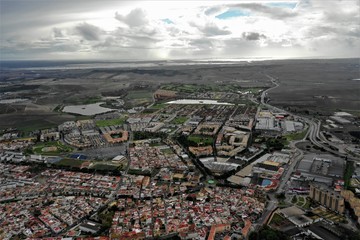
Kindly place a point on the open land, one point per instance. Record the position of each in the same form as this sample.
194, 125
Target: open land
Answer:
181, 151
318, 86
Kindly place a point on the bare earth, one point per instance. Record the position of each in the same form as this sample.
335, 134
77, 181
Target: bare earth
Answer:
318, 86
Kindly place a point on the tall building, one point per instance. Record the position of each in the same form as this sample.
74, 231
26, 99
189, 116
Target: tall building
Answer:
327, 197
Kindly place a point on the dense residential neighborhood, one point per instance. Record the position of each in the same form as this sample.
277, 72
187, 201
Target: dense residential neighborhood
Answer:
191, 169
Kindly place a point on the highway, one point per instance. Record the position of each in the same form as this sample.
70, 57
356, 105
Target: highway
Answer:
314, 126
313, 134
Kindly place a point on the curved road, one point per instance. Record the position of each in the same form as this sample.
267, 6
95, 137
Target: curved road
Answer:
313, 134
314, 126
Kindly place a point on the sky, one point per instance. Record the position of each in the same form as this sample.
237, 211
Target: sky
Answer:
166, 30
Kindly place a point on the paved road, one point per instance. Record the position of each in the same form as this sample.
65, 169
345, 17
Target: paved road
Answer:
313, 134
314, 126
298, 155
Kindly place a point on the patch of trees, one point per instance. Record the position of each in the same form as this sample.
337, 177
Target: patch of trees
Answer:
194, 141
267, 233
148, 135
106, 219
275, 144
183, 140
349, 170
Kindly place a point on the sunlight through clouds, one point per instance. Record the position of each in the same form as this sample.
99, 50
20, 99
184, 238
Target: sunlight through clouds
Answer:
178, 29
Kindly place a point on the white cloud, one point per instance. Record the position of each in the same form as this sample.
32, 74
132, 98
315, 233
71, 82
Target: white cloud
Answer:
136, 18
137, 29
89, 32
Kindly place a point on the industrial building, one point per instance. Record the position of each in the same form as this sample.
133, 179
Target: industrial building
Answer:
321, 168
90, 227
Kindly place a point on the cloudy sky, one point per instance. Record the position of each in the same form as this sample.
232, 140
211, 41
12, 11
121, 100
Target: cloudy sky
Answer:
144, 30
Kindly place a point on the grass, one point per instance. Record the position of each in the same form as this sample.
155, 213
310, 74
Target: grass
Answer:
201, 140
156, 144
192, 88
349, 170
139, 172
300, 204
139, 94
61, 148
329, 215
354, 183
167, 151
30, 126
110, 122
307, 204
70, 163
254, 90
58, 108
92, 100
277, 219
296, 136
158, 106
179, 120
108, 167
84, 100
301, 201
187, 88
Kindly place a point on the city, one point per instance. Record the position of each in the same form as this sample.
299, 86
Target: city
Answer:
183, 166
191, 120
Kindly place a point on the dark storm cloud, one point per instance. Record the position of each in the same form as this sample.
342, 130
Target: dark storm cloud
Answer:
89, 32
135, 18
253, 36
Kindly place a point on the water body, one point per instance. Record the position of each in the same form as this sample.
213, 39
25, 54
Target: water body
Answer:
13, 100
64, 65
87, 110
193, 101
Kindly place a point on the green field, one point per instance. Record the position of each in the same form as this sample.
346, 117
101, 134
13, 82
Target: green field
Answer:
201, 140
139, 94
179, 120
110, 122
301, 201
108, 167
61, 148
296, 136
139, 172
192, 88
91, 100
158, 106
83, 100
349, 170
186, 88
277, 219
329, 215
30, 126
167, 151
70, 163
